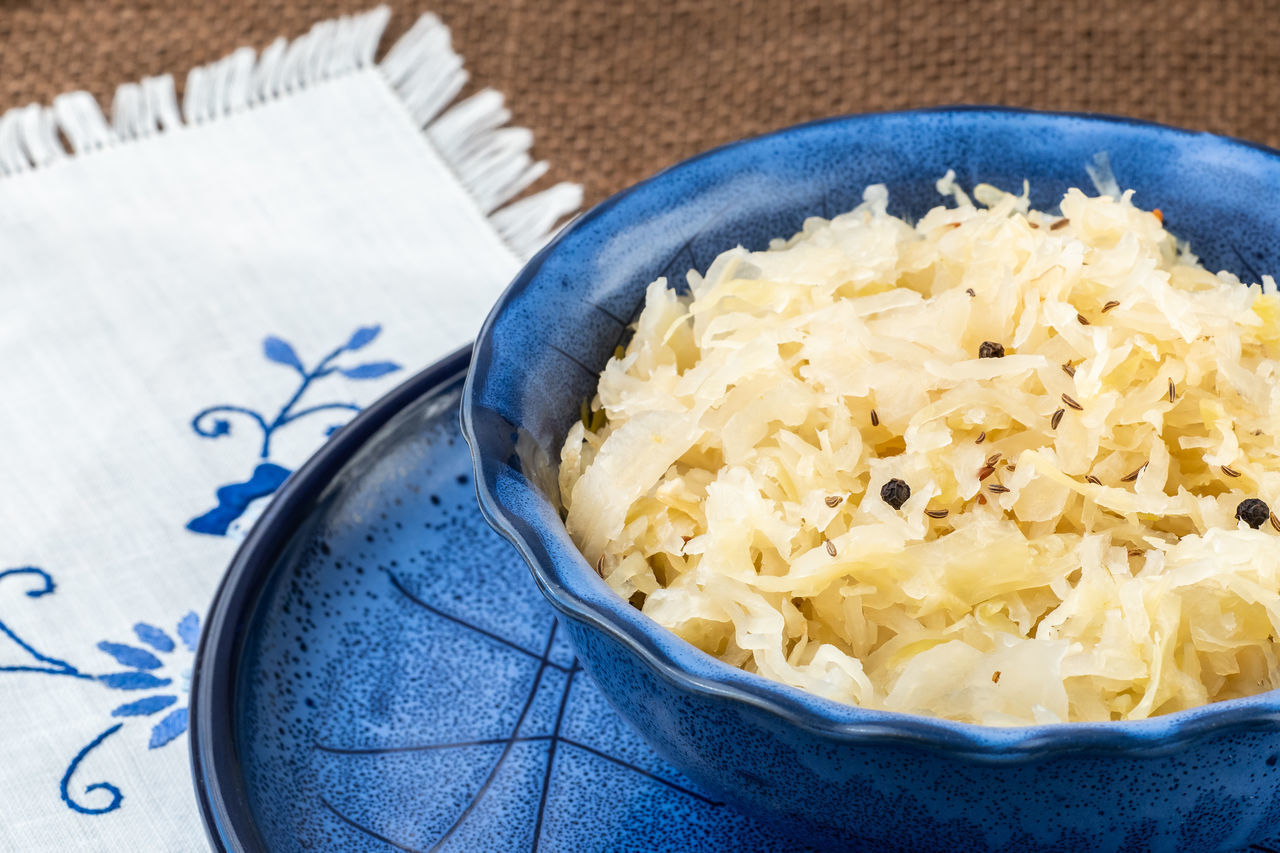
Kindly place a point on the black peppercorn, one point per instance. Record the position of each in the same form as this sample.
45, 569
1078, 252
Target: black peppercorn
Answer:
991, 349
895, 493
1253, 512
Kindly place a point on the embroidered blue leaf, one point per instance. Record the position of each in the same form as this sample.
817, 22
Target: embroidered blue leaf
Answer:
281, 352
131, 655
144, 707
332, 429
174, 724
153, 637
363, 336
132, 680
189, 631
369, 370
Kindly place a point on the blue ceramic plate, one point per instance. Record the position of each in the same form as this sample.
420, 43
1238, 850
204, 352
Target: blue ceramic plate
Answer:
379, 673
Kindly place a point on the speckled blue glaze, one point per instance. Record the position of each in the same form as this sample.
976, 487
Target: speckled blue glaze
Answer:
1205, 779
379, 673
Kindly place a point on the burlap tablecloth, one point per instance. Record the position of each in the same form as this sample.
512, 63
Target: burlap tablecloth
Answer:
616, 90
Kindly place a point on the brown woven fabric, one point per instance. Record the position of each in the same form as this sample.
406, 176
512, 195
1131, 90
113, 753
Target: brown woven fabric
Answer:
616, 90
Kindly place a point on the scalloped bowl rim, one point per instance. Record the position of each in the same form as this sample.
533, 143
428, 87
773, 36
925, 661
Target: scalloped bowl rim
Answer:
676, 662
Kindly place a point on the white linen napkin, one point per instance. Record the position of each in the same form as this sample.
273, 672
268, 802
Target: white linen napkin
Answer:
192, 299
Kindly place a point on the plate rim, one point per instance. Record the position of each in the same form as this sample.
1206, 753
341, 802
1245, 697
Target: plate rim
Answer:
216, 773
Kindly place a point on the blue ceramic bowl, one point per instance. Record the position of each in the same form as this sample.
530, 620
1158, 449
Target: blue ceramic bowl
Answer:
839, 776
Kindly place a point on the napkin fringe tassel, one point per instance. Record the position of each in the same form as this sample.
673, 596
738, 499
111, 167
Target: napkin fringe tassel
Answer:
490, 158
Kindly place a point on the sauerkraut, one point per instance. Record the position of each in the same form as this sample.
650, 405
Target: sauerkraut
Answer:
1078, 415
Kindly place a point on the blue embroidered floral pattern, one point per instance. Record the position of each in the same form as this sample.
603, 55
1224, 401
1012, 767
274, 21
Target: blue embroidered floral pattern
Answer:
234, 498
140, 666
141, 661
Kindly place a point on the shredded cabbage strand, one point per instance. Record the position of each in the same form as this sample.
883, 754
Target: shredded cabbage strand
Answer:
733, 490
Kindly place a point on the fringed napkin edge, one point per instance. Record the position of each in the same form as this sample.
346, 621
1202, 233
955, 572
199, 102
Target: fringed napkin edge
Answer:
490, 158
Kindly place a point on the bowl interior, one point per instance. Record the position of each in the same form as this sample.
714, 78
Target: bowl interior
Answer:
545, 342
